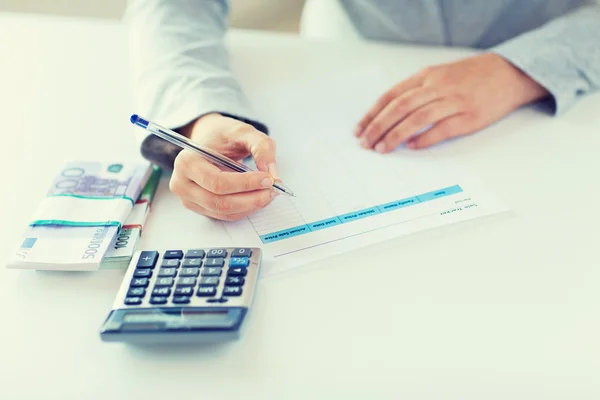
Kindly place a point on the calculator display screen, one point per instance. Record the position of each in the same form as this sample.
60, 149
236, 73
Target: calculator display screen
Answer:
183, 316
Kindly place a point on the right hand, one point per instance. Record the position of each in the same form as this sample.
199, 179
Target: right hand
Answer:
221, 194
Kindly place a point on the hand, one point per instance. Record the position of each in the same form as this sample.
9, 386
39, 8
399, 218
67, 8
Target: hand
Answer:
452, 99
224, 195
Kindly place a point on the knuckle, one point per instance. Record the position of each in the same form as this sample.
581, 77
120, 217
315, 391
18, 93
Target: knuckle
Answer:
182, 161
421, 117
213, 184
400, 105
374, 128
176, 186
231, 217
220, 205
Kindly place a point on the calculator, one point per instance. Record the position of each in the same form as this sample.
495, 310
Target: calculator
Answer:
184, 295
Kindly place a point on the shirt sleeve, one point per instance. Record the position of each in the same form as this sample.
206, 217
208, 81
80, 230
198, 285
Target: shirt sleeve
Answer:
563, 56
179, 68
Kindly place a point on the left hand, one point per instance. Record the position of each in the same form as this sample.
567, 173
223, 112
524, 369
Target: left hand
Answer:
452, 99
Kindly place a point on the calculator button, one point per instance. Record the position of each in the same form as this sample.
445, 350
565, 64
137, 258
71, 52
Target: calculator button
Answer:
192, 262
136, 292
133, 301
181, 299
190, 272
183, 291
232, 291
239, 261
164, 282
173, 263
194, 254
209, 281
214, 262
147, 259
158, 300
142, 273
237, 271
206, 291
241, 253
215, 253
190, 281
234, 281
178, 254
139, 282
211, 271
167, 272
161, 291
221, 300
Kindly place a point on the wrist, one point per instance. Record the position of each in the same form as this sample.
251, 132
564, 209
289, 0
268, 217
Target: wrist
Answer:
526, 90
192, 128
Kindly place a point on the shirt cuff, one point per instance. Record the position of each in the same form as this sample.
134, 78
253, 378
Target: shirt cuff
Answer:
549, 66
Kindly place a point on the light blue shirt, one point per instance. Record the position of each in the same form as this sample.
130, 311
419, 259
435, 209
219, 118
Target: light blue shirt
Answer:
180, 71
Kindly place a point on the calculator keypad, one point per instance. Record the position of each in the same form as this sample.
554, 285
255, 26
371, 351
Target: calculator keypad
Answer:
193, 276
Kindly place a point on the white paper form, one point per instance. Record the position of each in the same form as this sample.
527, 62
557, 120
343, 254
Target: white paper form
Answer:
348, 197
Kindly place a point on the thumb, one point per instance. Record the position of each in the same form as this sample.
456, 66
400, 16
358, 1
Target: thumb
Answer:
262, 148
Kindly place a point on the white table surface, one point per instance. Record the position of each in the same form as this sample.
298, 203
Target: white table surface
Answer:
506, 307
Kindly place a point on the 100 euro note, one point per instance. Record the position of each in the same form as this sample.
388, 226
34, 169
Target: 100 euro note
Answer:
69, 243
124, 245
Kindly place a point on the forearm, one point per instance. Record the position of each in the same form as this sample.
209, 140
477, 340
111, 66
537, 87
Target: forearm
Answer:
563, 56
180, 67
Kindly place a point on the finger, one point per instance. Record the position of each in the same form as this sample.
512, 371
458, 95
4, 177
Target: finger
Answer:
410, 83
448, 128
262, 148
190, 205
394, 112
415, 122
228, 204
217, 181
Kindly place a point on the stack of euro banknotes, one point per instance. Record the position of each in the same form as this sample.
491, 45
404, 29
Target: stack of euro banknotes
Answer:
91, 218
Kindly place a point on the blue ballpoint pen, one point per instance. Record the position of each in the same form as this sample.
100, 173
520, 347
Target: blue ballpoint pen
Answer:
212, 156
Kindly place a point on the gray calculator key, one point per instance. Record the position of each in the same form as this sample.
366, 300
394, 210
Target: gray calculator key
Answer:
241, 253
188, 281
173, 262
184, 291
192, 262
206, 291
164, 282
209, 281
173, 254
211, 271
214, 253
234, 281
190, 272
181, 300
237, 271
136, 292
214, 262
147, 259
232, 291
133, 301
167, 272
194, 254
142, 273
158, 300
139, 282
161, 291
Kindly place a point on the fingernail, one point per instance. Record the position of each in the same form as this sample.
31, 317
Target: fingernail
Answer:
274, 194
364, 143
273, 170
267, 182
380, 147
411, 144
357, 131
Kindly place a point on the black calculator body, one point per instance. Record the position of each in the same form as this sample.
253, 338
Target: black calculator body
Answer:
184, 295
